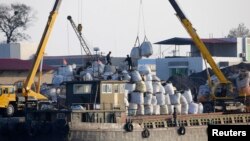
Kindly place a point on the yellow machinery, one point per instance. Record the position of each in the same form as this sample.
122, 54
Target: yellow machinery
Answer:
24, 95
222, 94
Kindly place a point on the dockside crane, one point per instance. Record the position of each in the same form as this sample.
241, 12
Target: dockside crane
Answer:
25, 96
222, 94
78, 31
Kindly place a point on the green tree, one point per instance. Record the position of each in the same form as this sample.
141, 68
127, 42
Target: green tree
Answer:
14, 20
240, 31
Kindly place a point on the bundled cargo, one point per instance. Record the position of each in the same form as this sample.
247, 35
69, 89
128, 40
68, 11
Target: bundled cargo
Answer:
164, 109
193, 108
140, 86
140, 110
149, 86
146, 49
135, 75
148, 109
156, 109
130, 87
98, 67
160, 98
148, 99
167, 99
144, 69
137, 98
169, 88
162, 89
135, 53
175, 98
126, 76
187, 94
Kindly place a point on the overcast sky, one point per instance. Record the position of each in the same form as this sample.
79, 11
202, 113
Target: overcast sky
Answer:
112, 25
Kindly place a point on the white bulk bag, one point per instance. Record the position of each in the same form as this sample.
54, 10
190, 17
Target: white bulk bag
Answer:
164, 109
193, 108
57, 79
169, 88
183, 100
87, 77
140, 110
148, 99
140, 86
146, 49
137, 97
135, 53
184, 109
167, 99
148, 109
149, 86
177, 108
135, 75
175, 99
132, 109
155, 78
187, 94
130, 87
200, 108
148, 77
144, 69
156, 109
154, 100
156, 87
160, 98
170, 109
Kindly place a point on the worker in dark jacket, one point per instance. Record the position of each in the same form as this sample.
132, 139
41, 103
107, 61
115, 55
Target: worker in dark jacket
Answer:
129, 60
108, 59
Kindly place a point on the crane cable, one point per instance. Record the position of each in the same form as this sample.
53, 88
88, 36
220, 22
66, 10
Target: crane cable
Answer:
140, 17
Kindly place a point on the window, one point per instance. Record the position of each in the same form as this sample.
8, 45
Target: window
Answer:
0, 91
5, 91
178, 71
116, 88
106, 88
122, 88
82, 88
11, 90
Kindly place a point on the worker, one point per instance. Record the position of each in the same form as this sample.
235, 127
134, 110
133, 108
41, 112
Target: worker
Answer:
129, 60
108, 58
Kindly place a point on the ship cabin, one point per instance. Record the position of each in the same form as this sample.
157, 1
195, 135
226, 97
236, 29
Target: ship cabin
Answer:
97, 101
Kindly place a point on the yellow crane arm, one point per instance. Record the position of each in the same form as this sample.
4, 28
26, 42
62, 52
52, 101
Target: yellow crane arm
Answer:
41, 48
198, 42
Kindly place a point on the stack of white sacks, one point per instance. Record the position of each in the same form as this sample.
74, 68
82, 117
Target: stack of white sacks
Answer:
149, 97
64, 73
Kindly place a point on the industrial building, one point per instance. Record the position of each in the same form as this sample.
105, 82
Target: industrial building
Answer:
225, 52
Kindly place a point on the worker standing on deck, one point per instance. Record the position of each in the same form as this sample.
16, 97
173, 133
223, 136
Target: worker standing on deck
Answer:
129, 60
108, 59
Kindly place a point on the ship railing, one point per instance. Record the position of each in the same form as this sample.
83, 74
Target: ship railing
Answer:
195, 120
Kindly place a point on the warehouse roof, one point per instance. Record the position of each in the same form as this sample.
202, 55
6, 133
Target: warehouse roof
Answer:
19, 65
189, 41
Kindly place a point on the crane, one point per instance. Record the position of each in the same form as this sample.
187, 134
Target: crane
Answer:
78, 31
222, 92
11, 99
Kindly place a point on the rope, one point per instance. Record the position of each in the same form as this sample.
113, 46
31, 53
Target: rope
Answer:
141, 15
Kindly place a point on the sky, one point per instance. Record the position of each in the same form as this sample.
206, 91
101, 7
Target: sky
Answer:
112, 25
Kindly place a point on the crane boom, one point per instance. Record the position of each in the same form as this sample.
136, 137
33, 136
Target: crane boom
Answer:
198, 42
41, 48
79, 36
